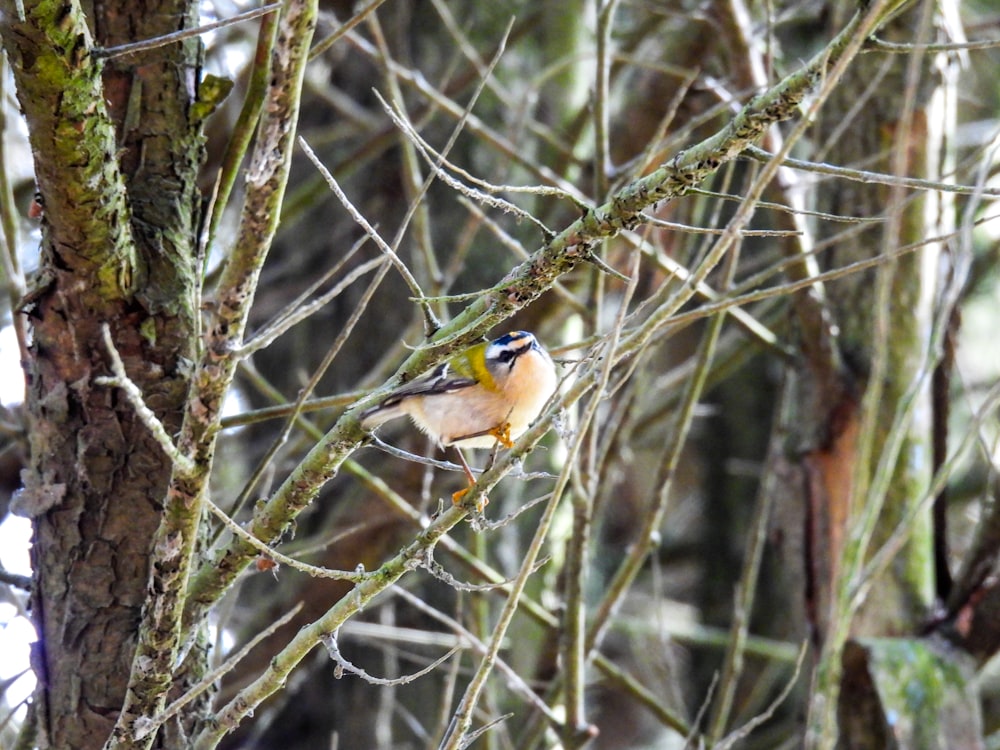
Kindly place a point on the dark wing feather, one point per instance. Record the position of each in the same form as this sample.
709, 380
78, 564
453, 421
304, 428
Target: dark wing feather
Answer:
439, 380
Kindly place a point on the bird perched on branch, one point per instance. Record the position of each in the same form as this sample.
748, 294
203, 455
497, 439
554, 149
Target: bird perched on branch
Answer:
487, 394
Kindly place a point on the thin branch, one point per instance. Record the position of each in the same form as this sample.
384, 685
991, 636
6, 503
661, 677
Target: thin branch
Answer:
601, 98
362, 222
369, 632
781, 290
324, 44
146, 726
335, 348
178, 36
471, 193
516, 681
329, 641
756, 721
474, 125
144, 413
415, 187
265, 549
242, 131
417, 207
283, 411
574, 641
877, 178
299, 310
646, 219
880, 45
462, 718
884, 555
509, 242
435, 568
309, 636
754, 327
574, 196
13, 579
840, 218
416, 458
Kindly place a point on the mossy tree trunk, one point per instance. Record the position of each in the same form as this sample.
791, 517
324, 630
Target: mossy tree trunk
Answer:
116, 154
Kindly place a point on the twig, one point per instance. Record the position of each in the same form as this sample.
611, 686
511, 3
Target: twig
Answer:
648, 219
310, 635
867, 177
415, 458
754, 327
458, 731
286, 321
368, 632
574, 642
144, 413
824, 215
781, 290
756, 721
435, 569
15, 580
361, 221
481, 523
880, 45
436, 166
281, 411
342, 335
324, 44
706, 702
474, 125
146, 726
242, 131
278, 557
343, 665
177, 36
884, 555
476, 734
516, 681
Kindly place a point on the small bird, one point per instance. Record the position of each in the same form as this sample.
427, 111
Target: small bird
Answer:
487, 394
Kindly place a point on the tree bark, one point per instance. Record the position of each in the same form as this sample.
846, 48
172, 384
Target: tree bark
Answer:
116, 160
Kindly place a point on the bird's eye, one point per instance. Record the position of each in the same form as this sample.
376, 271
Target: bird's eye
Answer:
506, 355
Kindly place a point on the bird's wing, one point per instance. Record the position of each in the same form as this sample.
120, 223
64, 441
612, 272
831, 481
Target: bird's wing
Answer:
442, 379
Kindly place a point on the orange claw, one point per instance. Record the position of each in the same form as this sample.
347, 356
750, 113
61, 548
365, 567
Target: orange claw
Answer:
502, 434
456, 498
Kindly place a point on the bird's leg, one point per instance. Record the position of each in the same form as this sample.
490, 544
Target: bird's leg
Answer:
456, 497
502, 433
465, 467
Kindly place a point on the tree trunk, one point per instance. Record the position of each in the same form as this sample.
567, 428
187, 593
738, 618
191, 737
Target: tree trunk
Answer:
116, 159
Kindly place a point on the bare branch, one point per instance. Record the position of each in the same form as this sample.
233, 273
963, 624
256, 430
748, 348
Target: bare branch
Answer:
343, 665
144, 727
134, 395
278, 557
161, 41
